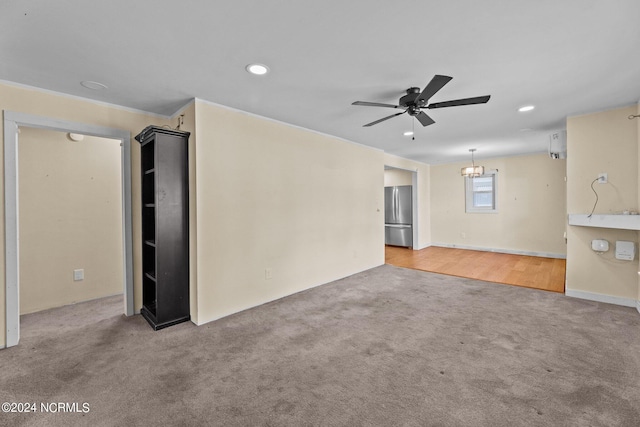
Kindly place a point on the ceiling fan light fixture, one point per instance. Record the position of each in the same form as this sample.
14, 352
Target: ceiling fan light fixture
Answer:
414, 102
526, 108
473, 170
257, 69
408, 133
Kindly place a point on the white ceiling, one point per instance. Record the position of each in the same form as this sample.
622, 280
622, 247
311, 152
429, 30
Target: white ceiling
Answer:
566, 57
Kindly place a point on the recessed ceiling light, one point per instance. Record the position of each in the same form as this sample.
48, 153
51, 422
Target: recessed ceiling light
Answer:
408, 133
93, 85
526, 108
257, 69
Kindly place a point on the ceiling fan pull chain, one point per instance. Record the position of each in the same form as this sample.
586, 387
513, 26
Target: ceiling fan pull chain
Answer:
413, 129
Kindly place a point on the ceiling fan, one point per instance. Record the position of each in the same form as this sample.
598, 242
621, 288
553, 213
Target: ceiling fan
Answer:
414, 101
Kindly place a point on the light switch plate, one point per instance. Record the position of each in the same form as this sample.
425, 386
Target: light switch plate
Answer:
78, 274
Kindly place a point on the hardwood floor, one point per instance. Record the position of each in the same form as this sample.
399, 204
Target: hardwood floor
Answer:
532, 272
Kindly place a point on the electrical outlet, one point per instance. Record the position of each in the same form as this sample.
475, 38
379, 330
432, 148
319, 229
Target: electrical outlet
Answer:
268, 273
603, 178
78, 274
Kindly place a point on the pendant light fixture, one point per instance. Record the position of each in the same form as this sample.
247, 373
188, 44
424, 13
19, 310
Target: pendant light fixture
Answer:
473, 170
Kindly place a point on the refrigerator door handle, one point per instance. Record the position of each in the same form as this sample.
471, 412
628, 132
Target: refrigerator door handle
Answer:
397, 226
396, 208
395, 204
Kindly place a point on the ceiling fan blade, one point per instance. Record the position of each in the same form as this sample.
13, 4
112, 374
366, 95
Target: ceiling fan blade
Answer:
436, 83
374, 104
424, 119
383, 119
457, 102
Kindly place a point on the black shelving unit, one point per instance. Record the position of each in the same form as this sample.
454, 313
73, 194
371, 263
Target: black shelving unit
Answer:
165, 226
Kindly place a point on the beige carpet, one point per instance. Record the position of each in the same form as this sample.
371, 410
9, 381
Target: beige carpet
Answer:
389, 346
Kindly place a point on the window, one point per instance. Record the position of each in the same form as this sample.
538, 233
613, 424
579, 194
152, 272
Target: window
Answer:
481, 193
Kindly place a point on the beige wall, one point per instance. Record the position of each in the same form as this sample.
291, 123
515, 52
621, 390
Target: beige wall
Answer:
601, 142
305, 206
423, 189
394, 177
20, 99
531, 213
70, 218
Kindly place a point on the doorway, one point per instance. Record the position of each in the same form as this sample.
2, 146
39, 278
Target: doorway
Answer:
13, 121
70, 218
394, 176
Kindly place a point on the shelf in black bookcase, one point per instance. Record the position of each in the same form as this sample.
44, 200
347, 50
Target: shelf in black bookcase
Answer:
149, 205
151, 243
152, 170
150, 275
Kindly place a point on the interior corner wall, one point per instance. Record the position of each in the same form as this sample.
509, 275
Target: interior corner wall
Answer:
601, 142
189, 125
637, 120
424, 194
530, 217
70, 196
279, 210
48, 104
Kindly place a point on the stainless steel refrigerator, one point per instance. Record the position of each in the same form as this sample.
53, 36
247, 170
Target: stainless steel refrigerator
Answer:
398, 216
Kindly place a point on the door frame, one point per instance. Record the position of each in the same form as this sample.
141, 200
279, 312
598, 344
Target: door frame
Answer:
12, 121
414, 203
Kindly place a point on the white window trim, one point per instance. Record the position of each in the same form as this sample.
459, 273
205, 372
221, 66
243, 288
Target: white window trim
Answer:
468, 193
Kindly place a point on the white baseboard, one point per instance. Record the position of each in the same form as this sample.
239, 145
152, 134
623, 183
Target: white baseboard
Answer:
422, 247
609, 299
502, 251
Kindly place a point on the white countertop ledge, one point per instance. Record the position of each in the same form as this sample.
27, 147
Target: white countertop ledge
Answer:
620, 222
